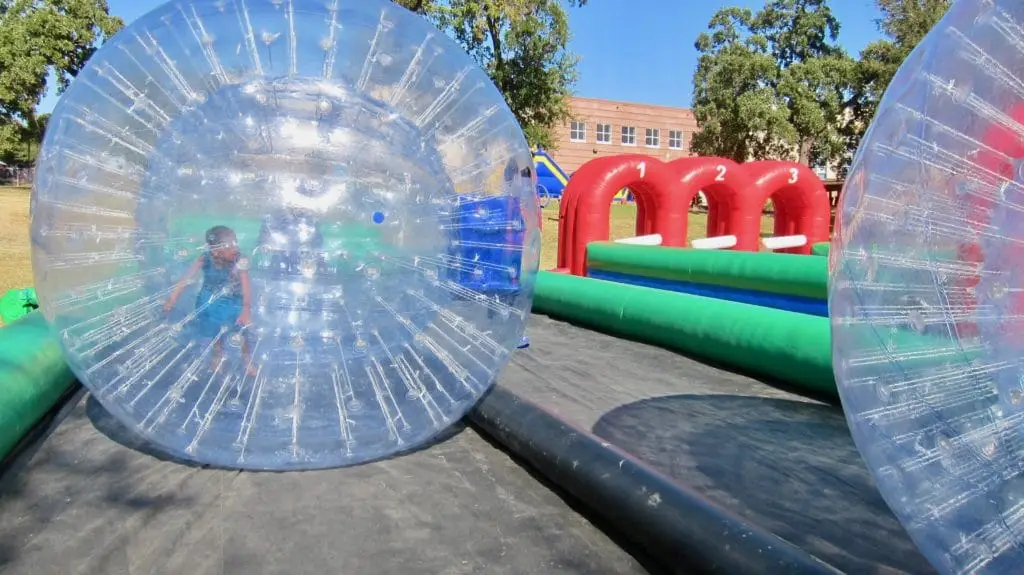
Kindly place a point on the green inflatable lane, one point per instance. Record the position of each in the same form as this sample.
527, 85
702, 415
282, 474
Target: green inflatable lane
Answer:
789, 347
789, 274
820, 249
17, 303
33, 374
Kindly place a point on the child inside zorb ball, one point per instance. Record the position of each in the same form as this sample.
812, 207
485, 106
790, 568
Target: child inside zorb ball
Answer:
224, 300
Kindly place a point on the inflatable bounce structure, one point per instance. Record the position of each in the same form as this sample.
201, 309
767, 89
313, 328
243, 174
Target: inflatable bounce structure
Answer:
551, 179
736, 195
359, 211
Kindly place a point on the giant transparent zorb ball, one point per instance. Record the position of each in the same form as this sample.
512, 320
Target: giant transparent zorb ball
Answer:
927, 292
285, 234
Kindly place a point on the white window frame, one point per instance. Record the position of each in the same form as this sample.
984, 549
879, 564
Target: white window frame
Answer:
652, 137
629, 131
677, 137
607, 133
577, 131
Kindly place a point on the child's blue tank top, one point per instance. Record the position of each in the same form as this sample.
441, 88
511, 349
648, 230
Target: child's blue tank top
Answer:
217, 278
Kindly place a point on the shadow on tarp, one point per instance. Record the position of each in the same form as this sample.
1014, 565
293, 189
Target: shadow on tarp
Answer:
117, 432
671, 523
789, 466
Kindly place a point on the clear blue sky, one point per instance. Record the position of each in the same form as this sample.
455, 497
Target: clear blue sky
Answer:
642, 50
634, 50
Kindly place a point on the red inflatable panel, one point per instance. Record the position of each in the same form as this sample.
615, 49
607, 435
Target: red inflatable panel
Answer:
996, 163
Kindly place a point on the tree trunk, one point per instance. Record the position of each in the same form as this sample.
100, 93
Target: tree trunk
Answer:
804, 153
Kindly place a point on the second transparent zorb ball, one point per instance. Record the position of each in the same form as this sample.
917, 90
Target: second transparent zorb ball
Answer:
927, 294
285, 234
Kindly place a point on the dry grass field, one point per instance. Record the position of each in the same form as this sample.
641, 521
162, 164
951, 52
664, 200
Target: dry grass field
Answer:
16, 270
622, 225
17, 265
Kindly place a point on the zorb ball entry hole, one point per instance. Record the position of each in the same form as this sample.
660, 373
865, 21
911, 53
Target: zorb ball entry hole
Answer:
202, 246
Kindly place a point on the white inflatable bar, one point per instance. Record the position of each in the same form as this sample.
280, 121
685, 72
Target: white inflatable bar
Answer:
648, 240
784, 242
714, 243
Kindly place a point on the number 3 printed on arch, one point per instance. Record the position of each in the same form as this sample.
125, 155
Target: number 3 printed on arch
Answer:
794, 176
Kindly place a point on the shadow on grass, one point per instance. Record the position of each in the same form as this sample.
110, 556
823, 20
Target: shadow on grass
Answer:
789, 466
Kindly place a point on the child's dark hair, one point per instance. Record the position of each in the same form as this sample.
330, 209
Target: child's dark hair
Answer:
217, 236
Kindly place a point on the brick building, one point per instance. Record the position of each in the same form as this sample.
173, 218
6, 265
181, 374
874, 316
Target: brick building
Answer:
607, 128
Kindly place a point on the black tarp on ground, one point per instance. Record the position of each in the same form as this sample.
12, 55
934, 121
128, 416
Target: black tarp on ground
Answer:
781, 461
90, 499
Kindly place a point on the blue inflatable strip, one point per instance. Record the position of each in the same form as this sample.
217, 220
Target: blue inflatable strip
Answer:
798, 304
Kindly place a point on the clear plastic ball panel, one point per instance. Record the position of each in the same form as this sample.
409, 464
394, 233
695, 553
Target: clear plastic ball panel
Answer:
379, 203
926, 298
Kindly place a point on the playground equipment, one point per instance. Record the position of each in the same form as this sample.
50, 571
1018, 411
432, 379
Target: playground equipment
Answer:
929, 253
551, 178
736, 195
374, 308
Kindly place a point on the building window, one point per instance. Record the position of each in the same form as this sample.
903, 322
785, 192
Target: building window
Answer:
604, 133
628, 136
653, 138
578, 132
675, 139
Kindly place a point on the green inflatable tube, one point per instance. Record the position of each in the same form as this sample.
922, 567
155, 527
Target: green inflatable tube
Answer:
357, 239
820, 249
17, 303
34, 377
788, 274
789, 347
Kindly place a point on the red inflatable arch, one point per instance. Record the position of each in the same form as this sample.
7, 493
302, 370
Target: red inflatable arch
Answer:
586, 204
996, 162
723, 182
570, 199
802, 205
567, 207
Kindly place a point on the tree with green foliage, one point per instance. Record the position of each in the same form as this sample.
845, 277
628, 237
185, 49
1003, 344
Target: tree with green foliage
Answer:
523, 46
772, 83
42, 40
904, 23
29, 137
